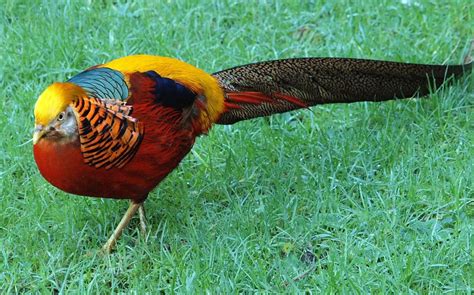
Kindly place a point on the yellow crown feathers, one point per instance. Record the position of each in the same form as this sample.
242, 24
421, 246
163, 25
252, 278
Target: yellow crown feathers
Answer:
55, 99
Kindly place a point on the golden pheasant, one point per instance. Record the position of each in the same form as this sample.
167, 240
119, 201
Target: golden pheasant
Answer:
117, 129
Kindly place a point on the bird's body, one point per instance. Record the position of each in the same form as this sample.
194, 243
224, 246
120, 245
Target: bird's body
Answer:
116, 130
63, 166
169, 135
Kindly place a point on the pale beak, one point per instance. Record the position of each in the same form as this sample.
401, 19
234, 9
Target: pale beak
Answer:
38, 133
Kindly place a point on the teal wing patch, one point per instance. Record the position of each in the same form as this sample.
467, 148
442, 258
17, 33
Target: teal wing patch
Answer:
102, 83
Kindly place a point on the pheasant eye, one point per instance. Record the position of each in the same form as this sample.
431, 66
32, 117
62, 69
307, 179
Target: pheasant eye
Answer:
61, 116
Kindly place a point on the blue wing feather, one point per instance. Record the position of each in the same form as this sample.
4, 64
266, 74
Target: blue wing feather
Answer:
103, 83
170, 93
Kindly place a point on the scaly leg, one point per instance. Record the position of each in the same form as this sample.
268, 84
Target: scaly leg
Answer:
107, 248
141, 213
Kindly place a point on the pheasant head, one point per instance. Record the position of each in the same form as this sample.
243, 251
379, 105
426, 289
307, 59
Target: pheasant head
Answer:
55, 118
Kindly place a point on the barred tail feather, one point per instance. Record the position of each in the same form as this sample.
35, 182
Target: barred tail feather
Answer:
270, 87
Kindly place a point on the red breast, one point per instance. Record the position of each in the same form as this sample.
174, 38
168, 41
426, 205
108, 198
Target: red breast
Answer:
163, 147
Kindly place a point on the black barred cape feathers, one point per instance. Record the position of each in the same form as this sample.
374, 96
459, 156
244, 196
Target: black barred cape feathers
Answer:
109, 137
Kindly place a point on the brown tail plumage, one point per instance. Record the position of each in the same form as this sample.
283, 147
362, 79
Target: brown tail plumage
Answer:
270, 87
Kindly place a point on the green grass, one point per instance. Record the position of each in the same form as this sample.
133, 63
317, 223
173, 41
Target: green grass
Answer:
368, 197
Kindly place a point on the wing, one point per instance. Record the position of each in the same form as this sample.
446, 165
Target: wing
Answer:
109, 136
168, 100
169, 93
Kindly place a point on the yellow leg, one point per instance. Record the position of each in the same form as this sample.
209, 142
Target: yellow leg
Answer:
107, 248
141, 213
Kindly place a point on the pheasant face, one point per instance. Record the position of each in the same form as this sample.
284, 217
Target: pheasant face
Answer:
62, 129
55, 119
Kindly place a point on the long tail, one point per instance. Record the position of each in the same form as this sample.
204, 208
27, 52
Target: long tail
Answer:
278, 86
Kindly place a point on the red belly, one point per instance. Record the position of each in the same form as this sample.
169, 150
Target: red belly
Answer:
63, 166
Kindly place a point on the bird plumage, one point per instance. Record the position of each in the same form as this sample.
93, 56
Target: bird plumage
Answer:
54, 100
145, 124
196, 80
117, 129
270, 87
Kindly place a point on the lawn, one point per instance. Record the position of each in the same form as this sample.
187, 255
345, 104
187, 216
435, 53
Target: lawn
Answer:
366, 197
